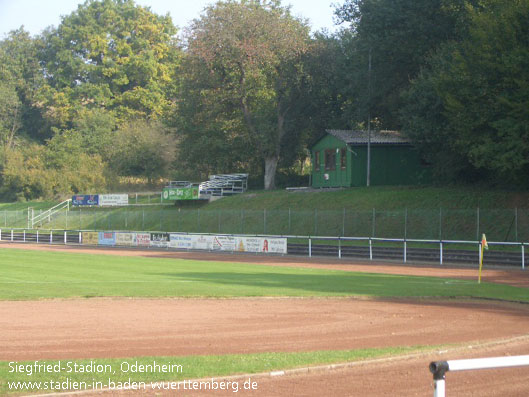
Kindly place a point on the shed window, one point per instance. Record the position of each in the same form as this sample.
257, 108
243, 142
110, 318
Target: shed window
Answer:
330, 159
317, 160
343, 158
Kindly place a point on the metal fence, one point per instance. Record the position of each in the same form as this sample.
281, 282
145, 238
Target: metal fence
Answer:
508, 225
372, 248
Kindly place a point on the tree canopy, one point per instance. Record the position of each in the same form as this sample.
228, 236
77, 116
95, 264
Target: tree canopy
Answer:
248, 88
246, 57
110, 54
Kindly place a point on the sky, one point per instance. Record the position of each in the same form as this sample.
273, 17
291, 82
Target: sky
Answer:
36, 15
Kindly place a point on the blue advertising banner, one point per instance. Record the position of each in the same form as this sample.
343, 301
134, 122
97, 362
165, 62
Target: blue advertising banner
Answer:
107, 238
85, 199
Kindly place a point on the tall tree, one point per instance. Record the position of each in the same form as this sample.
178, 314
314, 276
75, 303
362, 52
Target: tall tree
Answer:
20, 80
110, 54
480, 87
246, 57
399, 35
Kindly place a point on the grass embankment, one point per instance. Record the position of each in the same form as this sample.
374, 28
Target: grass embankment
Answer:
37, 274
381, 197
389, 212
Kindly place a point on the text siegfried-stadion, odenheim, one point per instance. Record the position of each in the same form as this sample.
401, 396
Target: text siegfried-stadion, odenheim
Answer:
93, 367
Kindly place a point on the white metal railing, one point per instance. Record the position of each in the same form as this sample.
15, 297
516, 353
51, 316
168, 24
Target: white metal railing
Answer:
340, 240
220, 185
440, 368
33, 219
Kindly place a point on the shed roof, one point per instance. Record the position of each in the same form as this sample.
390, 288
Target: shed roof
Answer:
377, 137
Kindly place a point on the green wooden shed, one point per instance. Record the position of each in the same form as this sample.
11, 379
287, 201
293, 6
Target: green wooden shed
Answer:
339, 159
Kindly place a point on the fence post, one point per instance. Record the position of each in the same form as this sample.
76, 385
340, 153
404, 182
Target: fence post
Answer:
405, 224
316, 222
370, 249
440, 223
477, 226
37, 236
343, 223
339, 248
289, 222
516, 224
51, 236
310, 247
440, 252
405, 251
373, 224
523, 257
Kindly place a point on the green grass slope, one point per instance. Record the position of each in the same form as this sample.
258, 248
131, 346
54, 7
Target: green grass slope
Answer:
382, 197
450, 213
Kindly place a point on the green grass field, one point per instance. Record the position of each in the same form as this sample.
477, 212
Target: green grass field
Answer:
37, 274
30, 275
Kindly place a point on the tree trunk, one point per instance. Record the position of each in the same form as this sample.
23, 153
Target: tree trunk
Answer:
270, 172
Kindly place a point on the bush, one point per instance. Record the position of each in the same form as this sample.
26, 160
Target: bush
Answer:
32, 172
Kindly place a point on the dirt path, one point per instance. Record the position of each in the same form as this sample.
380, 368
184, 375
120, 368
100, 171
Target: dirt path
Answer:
75, 328
511, 276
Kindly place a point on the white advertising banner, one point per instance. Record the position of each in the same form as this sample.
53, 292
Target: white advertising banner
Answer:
143, 239
224, 243
262, 245
113, 199
181, 241
126, 239
203, 242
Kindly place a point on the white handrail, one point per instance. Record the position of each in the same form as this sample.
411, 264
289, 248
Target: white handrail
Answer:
48, 213
440, 368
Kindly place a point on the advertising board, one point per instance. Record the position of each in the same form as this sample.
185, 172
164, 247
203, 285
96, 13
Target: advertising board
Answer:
113, 199
275, 245
143, 239
126, 239
160, 240
181, 241
90, 238
85, 199
262, 245
180, 193
224, 243
107, 238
